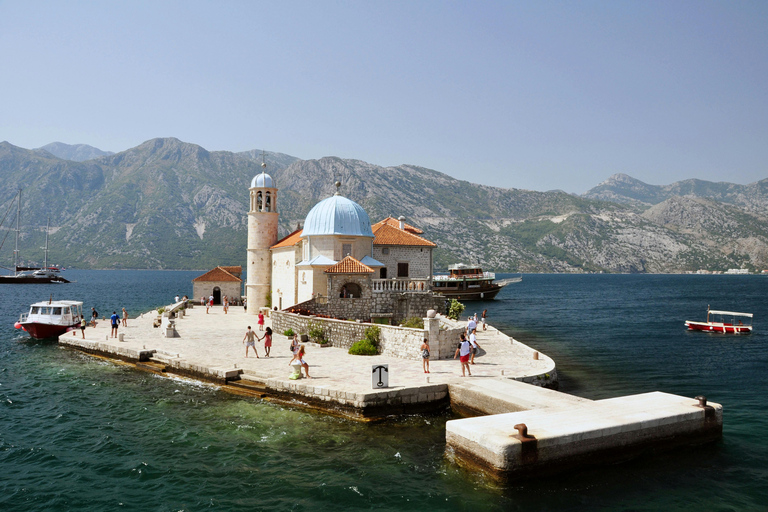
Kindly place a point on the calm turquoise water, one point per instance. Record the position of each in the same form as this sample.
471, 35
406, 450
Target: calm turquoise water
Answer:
79, 433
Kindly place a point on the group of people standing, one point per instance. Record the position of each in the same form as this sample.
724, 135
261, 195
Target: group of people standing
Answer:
466, 349
297, 349
115, 320
468, 345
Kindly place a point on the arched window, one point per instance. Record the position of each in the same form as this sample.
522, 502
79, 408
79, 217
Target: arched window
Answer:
258, 201
268, 203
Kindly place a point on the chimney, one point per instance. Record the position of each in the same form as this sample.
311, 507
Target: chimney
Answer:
402, 222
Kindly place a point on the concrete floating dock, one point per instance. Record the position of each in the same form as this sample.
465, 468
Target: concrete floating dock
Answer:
550, 440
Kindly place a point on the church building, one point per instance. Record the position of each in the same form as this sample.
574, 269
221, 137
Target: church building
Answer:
337, 260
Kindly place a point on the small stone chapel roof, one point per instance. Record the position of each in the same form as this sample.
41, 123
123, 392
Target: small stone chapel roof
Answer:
349, 265
218, 274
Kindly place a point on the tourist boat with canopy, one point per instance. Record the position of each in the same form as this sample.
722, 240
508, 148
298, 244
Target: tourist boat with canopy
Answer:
729, 322
51, 318
469, 282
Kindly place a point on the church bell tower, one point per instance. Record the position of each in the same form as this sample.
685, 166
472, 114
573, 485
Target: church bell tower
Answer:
262, 234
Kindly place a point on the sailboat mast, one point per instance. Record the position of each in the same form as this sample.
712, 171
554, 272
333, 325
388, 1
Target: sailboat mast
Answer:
47, 228
16, 250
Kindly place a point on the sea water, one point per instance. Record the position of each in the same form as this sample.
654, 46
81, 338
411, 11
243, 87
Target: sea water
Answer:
82, 433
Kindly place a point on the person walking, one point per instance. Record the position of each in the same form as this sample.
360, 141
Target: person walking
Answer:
83, 323
471, 324
125, 318
425, 355
250, 341
267, 341
475, 345
94, 316
261, 321
226, 304
295, 344
485, 315
115, 318
463, 351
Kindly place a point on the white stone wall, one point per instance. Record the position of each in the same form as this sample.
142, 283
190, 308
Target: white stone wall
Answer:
284, 276
205, 289
419, 260
331, 246
306, 283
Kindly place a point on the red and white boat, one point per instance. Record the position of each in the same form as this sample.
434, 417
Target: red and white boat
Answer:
50, 319
729, 322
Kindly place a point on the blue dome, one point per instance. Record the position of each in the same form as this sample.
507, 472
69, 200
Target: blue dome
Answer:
337, 215
262, 180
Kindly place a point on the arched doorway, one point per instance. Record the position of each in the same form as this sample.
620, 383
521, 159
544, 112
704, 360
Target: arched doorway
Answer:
350, 291
217, 295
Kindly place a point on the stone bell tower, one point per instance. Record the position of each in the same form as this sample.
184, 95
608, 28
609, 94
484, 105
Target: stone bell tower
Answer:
262, 234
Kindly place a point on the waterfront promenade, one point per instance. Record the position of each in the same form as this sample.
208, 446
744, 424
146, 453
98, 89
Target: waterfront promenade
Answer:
210, 346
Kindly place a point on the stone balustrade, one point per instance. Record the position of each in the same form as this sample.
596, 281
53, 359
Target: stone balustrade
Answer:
401, 285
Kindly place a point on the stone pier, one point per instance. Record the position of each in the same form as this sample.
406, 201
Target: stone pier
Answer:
507, 389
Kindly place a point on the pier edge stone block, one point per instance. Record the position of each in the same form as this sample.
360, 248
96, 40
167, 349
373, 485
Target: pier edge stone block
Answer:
603, 431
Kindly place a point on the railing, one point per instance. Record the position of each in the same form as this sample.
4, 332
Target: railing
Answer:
400, 285
484, 275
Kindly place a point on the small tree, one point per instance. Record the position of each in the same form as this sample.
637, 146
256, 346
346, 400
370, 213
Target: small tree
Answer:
316, 332
369, 345
455, 309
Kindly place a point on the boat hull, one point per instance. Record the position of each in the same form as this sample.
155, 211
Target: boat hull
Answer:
42, 331
488, 293
31, 280
718, 327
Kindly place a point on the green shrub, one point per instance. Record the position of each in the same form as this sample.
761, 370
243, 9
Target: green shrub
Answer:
160, 310
288, 332
372, 334
316, 332
414, 322
455, 309
363, 347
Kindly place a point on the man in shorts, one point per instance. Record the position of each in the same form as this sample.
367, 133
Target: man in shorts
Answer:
463, 351
115, 318
475, 345
250, 341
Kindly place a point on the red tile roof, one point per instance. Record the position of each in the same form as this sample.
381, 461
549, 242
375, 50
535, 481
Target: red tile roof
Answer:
218, 275
396, 224
289, 240
386, 234
349, 265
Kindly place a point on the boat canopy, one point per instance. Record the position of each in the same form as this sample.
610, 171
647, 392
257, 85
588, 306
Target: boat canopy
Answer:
729, 313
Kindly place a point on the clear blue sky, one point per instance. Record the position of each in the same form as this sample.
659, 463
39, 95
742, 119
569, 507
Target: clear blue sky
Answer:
535, 95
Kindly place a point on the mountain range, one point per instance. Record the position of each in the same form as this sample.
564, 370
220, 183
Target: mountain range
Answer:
174, 205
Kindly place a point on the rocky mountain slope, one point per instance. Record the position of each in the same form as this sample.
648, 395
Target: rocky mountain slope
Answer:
170, 204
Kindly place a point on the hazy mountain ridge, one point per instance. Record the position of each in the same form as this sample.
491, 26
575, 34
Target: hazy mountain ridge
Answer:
624, 189
75, 152
170, 204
